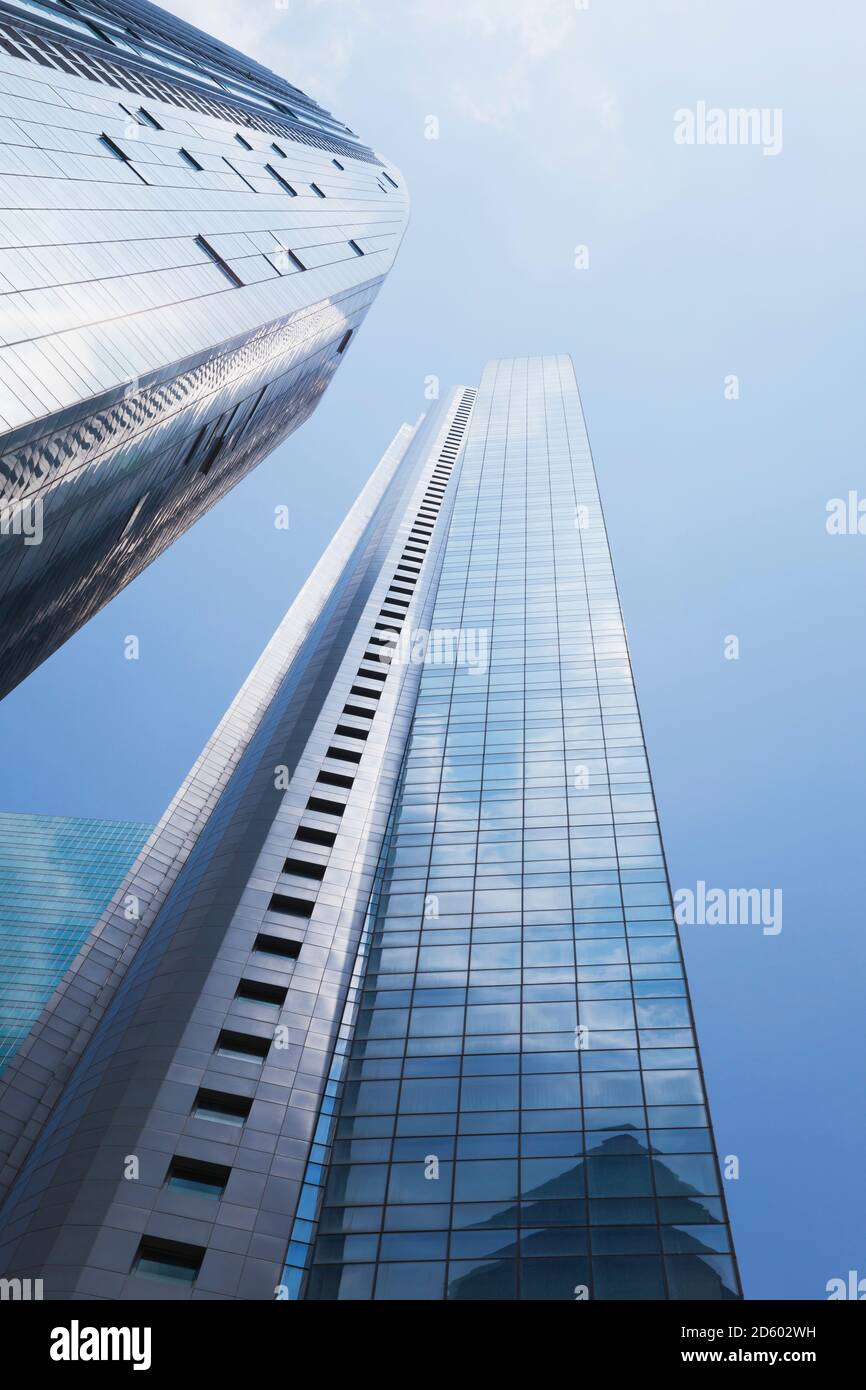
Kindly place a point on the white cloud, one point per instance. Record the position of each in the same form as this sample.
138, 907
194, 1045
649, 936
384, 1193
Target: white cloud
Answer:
522, 67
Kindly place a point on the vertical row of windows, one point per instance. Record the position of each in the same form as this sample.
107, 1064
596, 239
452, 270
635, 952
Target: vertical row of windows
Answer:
175, 1262
386, 631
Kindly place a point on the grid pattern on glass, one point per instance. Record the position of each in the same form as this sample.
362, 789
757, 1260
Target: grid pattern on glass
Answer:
522, 1113
57, 875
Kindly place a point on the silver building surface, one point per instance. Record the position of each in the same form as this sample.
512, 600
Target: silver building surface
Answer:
187, 245
392, 1004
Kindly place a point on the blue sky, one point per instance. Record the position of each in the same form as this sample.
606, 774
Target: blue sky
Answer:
556, 129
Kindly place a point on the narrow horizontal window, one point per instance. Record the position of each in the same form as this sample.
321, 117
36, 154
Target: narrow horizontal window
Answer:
283, 258
257, 992
343, 755
238, 174
277, 149
241, 141
115, 149
335, 779
337, 165
244, 1047
221, 1107
277, 946
218, 260
147, 119
393, 182
168, 1260
120, 154
326, 808
193, 1175
370, 694
317, 190
347, 731
190, 159
355, 247
284, 183
302, 868
358, 711
291, 907
311, 835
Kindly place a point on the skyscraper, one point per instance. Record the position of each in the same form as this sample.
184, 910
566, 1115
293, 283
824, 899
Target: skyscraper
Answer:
187, 246
57, 875
403, 1012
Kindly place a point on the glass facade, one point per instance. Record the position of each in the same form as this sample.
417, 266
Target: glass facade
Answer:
404, 1012
187, 246
521, 1111
57, 876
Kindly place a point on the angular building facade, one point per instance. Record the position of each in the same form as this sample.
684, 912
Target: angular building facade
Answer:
57, 875
403, 1011
187, 246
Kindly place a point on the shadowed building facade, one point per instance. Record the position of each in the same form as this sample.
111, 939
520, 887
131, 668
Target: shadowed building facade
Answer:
404, 1013
187, 245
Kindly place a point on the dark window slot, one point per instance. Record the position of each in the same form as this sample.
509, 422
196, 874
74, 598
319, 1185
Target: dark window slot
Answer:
303, 869
358, 712
311, 835
241, 141
218, 260
227, 161
343, 755
256, 992
147, 119
347, 731
355, 247
290, 255
277, 946
344, 341
325, 808
335, 779
317, 190
371, 694
291, 907
284, 183
221, 1107
196, 1176
243, 1047
170, 1261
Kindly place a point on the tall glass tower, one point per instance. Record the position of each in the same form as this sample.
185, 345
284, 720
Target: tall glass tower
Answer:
57, 876
187, 246
403, 1012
